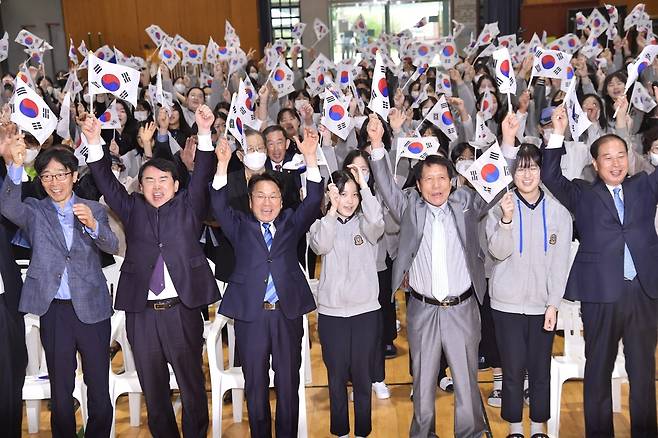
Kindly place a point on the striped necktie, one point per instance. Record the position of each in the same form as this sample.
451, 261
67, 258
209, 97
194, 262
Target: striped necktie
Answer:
270, 290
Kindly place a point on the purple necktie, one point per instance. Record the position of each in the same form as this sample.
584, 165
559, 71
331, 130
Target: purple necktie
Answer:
157, 278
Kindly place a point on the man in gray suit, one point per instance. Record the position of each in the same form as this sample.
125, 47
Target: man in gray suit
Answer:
440, 253
65, 285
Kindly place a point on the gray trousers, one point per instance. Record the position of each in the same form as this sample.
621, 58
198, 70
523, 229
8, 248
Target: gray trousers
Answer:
455, 331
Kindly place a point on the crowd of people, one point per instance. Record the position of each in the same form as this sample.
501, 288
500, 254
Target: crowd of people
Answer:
483, 282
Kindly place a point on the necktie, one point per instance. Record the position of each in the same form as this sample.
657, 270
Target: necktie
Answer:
277, 168
270, 290
629, 266
157, 277
439, 260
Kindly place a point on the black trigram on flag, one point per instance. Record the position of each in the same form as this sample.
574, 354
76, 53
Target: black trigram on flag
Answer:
126, 77
95, 84
98, 69
123, 95
486, 189
474, 175
494, 156
341, 125
45, 113
37, 125
557, 70
385, 104
559, 56
382, 69
330, 99
84, 151
21, 91
506, 170
242, 111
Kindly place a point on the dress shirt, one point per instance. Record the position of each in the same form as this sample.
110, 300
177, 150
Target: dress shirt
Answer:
2, 285
420, 274
66, 220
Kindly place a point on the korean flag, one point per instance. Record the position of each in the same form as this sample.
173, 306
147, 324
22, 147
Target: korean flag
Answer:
282, 78
110, 117
441, 117
119, 80
550, 63
504, 71
417, 148
379, 100
489, 174
335, 114
30, 112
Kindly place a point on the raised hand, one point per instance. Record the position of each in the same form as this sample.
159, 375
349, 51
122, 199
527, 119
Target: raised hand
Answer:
358, 175
204, 119
114, 147
396, 118
91, 128
375, 131
559, 119
223, 153
524, 101
309, 146
17, 149
84, 215
188, 153
147, 132
510, 127
163, 121
507, 206
334, 197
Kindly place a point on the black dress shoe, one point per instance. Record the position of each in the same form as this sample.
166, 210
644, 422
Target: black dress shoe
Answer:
515, 435
539, 435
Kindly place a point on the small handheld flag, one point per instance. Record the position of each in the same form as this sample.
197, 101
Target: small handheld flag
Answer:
489, 174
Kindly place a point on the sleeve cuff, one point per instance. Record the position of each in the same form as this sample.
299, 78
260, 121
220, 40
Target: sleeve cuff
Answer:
509, 151
505, 226
555, 141
219, 181
378, 154
93, 233
15, 173
313, 174
205, 143
161, 138
95, 153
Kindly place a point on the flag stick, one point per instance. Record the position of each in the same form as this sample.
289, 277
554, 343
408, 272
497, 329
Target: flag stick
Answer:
509, 102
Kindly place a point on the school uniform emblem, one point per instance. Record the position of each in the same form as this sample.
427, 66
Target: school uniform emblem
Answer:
358, 240
553, 239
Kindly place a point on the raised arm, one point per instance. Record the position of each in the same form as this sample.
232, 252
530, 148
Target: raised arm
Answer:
228, 218
564, 190
11, 205
393, 197
204, 162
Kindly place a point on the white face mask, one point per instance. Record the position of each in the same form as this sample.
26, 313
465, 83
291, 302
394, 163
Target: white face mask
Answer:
366, 176
116, 173
476, 78
86, 98
31, 155
49, 90
415, 94
254, 160
180, 88
141, 116
425, 110
654, 158
462, 165
253, 76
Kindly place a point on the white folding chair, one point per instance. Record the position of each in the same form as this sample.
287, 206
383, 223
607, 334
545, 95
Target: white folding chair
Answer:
224, 378
572, 364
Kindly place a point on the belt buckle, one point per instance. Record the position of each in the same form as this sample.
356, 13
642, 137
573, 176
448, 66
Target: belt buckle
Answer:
269, 306
160, 306
444, 303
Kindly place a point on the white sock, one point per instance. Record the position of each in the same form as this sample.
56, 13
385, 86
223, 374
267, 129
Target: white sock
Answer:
536, 428
498, 381
516, 428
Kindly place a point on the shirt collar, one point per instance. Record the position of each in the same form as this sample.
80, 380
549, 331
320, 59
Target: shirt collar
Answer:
67, 207
435, 210
612, 188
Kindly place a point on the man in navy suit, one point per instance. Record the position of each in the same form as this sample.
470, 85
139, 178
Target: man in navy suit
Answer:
614, 275
165, 277
268, 293
64, 284
13, 355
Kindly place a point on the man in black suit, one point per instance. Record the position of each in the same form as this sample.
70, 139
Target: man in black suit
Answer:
613, 275
165, 277
267, 293
13, 354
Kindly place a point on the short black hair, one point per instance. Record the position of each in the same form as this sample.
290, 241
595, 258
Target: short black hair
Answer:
274, 128
248, 132
291, 111
433, 160
340, 179
267, 176
458, 150
62, 155
194, 88
160, 164
594, 148
527, 155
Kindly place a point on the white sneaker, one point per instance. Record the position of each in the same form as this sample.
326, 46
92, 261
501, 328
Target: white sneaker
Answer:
398, 325
446, 384
381, 390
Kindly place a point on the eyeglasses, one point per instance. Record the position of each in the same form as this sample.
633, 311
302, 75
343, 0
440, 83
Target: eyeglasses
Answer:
58, 176
530, 169
262, 197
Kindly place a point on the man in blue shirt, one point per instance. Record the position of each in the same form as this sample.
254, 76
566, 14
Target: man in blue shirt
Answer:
65, 285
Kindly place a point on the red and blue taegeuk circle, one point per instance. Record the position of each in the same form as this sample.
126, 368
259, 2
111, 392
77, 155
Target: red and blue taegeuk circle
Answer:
336, 112
238, 124
101, 55
110, 82
448, 50
569, 72
321, 79
279, 75
167, 53
416, 147
192, 53
504, 68
596, 22
572, 42
28, 108
490, 173
641, 67
382, 86
548, 61
28, 40
446, 117
446, 83
486, 38
423, 50
223, 50
105, 117
344, 77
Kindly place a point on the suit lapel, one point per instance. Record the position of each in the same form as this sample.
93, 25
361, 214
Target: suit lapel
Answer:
255, 225
460, 223
50, 212
421, 215
602, 190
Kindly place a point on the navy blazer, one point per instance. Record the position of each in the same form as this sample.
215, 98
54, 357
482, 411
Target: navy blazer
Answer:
172, 230
597, 274
11, 274
50, 255
244, 296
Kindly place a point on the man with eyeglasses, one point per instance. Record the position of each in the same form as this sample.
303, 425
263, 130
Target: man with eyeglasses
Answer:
165, 277
267, 294
64, 284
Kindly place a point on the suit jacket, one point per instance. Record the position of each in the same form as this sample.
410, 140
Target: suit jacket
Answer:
50, 255
238, 199
11, 274
409, 209
172, 230
597, 274
244, 296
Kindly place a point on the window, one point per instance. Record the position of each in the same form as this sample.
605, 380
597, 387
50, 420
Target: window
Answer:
380, 16
285, 14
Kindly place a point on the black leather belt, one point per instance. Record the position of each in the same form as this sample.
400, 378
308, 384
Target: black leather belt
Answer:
165, 304
60, 301
270, 306
449, 301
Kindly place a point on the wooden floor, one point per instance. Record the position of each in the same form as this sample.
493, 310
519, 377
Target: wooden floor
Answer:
392, 417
